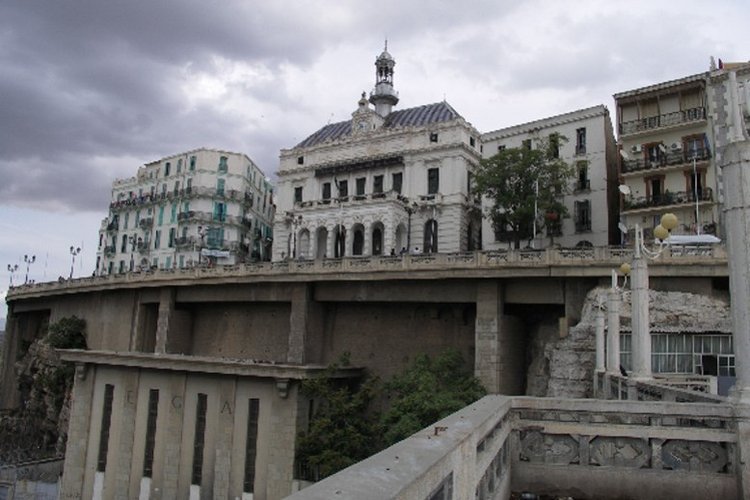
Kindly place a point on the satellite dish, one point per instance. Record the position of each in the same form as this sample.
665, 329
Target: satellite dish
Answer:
624, 189
623, 228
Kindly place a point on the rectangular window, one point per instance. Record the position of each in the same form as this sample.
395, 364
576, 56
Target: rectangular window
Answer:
219, 211
148, 454
343, 189
581, 141
182, 261
168, 262
176, 188
360, 186
655, 154
223, 167
501, 147
161, 215
199, 439
377, 184
472, 142
398, 180
583, 183
101, 463
121, 267
157, 238
554, 145
300, 160
215, 237
583, 216
171, 237
433, 136
166, 169
526, 144
298, 194
179, 165
137, 217
220, 183
192, 163
127, 219
173, 214
189, 185
124, 244
433, 180
251, 446
326, 190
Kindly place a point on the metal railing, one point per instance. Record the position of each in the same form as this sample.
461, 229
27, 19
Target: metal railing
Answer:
665, 120
666, 198
665, 160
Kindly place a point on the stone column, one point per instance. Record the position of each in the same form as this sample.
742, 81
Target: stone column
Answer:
487, 334
736, 172
298, 323
166, 310
613, 327
367, 240
641, 334
78, 432
331, 243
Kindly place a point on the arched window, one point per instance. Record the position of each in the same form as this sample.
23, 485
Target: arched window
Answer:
430, 236
358, 244
340, 246
377, 240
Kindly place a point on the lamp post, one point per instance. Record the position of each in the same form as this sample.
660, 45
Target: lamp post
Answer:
28, 260
614, 299
202, 235
641, 335
12, 269
73, 252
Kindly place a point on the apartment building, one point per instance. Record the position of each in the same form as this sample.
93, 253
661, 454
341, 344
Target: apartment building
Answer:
667, 156
585, 140
203, 206
382, 182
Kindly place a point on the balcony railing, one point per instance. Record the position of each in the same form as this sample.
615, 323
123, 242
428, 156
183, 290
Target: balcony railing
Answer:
667, 198
583, 185
146, 223
110, 250
665, 160
188, 192
666, 120
113, 226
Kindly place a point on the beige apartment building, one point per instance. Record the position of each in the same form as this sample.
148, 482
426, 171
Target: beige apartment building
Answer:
667, 156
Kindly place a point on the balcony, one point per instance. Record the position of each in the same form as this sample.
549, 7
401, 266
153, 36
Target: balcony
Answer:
110, 250
113, 226
185, 242
667, 198
582, 185
665, 160
146, 223
666, 120
143, 247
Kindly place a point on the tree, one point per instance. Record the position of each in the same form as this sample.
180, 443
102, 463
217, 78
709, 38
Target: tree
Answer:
427, 391
509, 180
342, 431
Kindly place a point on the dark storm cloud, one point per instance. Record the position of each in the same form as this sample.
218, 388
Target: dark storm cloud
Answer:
86, 79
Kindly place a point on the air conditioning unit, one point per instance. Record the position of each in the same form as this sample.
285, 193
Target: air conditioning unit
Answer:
676, 146
636, 149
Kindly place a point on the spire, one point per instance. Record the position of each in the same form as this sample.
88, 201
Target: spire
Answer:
384, 96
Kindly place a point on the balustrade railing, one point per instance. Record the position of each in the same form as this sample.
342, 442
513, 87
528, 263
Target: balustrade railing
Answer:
665, 120
666, 198
599, 449
602, 257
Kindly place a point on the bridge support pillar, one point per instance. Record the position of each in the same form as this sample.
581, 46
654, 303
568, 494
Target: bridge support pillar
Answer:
78, 432
500, 350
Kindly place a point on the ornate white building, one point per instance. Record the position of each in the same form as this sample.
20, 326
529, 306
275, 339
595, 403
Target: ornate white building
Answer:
585, 140
384, 181
202, 205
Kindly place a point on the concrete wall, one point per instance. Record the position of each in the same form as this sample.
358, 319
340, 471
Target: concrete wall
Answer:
225, 435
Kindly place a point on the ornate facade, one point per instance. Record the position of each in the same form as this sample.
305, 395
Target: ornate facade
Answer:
383, 182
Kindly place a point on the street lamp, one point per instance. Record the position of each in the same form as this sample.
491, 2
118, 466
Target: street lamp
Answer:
73, 252
641, 336
12, 269
28, 260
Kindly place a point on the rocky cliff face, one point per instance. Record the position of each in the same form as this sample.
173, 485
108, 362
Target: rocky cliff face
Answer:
564, 367
38, 429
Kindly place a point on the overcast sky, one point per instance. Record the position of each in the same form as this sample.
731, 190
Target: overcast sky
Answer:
90, 89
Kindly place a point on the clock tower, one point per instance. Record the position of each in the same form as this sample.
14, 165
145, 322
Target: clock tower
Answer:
384, 96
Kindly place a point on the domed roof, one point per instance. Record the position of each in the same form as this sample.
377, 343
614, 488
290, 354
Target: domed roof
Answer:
385, 55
